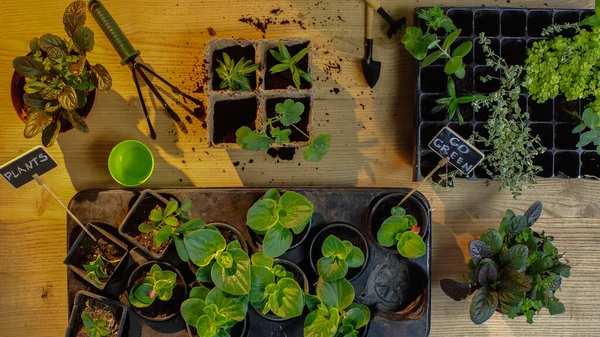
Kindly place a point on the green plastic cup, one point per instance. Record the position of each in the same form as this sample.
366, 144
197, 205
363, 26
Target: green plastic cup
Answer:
131, 163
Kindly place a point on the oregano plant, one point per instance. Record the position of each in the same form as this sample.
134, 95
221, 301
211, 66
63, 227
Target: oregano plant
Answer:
96, 269
402, 231
157, 284
288, 62
452, 103
94, 327
234, 76
338, 256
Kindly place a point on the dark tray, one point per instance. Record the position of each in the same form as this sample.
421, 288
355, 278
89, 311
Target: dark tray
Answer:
107, 208
511, 30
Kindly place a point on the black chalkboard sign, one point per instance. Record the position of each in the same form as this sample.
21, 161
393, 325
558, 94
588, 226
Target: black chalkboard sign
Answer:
20, 170
463, 155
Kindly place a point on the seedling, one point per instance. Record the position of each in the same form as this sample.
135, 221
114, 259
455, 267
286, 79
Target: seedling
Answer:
234, 76
452, 103
419, 43
157, 284
288, 114
58, 77
401, 230
276, 216
338, 256
96, 269
288, 62
274, 289
591, 120
513, 269
213, 312
94, 327
225, 265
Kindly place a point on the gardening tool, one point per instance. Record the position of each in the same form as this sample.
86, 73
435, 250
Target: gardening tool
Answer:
395, 25
128, 55
371, 68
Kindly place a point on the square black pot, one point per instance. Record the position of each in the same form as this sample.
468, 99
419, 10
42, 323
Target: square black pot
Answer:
75, 321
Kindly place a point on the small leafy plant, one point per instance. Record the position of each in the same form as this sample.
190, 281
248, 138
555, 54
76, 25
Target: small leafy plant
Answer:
513, 269
276, 216
452, 103
338, 256
213, 312
333, 311
225, 265
288, 114
58, 77
97, 269
274, 289
288, 62
234, 76
591, 120
401, 230
419, 43
94, 327
157, 284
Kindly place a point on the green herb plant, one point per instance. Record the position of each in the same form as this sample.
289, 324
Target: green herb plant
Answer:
213, 312
419, 43
276, 216
157, 284
274, 289
225, 265
338, 256
452, 103
288, 62
58, 77
401, 230
512, 269
234, 75
94, 327
591, 120
96, 270
288, 114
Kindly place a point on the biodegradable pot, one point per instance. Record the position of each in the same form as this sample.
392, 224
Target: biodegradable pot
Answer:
227, 113
237, 330
17, 91
236, 49
297, 240
230, 234
283, 80
159, 311
343, 232
382, 210
85, 299
85, 250
138, 214
299, 276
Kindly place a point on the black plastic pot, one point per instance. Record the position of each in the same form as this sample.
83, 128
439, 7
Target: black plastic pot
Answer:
224, 228
84, 299
238, 330
343, 232
168, 309
139, 213
297, 240
78, 254
297, 271
382, 210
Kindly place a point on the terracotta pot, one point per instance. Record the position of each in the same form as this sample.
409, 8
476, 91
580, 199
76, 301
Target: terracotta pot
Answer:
17, 91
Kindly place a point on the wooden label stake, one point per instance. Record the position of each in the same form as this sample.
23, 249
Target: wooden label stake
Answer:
440, 164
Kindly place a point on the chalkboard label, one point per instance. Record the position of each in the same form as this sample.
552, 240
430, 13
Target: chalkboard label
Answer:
463, 155
20, 170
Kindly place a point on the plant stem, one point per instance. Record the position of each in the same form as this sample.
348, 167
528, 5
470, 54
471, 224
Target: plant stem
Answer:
302, 132
443, 51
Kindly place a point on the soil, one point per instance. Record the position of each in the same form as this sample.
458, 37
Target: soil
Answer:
230, 115
161, 309
235, 53
296, 135
341, 233
89, 251
284, 153
283, 80
229, 235
98, 309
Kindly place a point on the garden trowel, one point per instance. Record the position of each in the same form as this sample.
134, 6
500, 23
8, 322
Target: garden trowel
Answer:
371, 68
395, 25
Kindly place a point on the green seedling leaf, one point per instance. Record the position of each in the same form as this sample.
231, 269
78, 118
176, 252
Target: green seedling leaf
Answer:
450, 39
483, 305
48, 41
289, 111
277, 241
453, 65
28, 67
516, 256
492, 239
431, 58
416, 43
203, 245
318, 148
338, 294
262, 215
411, 245
463, 49
318, 324
516, 225
83, 37
281, 136
294, 210
180, 247
234, 280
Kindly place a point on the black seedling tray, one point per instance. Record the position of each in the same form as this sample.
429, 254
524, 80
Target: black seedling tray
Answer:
512, 31
108, 208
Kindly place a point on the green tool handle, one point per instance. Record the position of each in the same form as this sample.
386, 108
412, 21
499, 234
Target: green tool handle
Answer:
114, 33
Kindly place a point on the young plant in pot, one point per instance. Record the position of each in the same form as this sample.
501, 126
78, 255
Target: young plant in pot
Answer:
288, 114
234, 76
338, 256
275, 217
275, 292
402, 231
513, 270
156, 294
214, 313
96, 316
54, 87
291, 63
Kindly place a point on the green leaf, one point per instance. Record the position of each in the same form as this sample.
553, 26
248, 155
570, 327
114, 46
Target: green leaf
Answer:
450, 39
457, 291
261, 277
355, 258
318, 148
56, 54
142, 293
277, 55
78, 122
453, 65
37, 120
556, 307
451, 87
171, 207
279, 68
34, 45
431, 58
48, 41
338, 294
510, 300
461, 72
391, 227
277, 241
74, 17
463, 49
289, 111
145, 228
192, 309
312, 302
34, 100
411, 245
262, 215
233, 307
512, 279
294, 210
155, 215
50, 134
493, 240
192, 225
483, 305
288, 301
199, 293
281, 136
202, 245
203, 273
331, 268
488, 274
164, 289
28, 67
102, 79
272, 194
164, 234
299, 56
260, 259
317, 324
180, 247
516, 256
416, 43
516, 225
83, 37
238, 282
252, 141
333, 247
205, 327
358, 315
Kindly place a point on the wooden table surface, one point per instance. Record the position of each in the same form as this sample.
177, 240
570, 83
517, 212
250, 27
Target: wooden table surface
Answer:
371, 133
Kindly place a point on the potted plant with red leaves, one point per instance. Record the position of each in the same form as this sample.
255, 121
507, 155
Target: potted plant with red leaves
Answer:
513, 270
54, 87
96, 316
